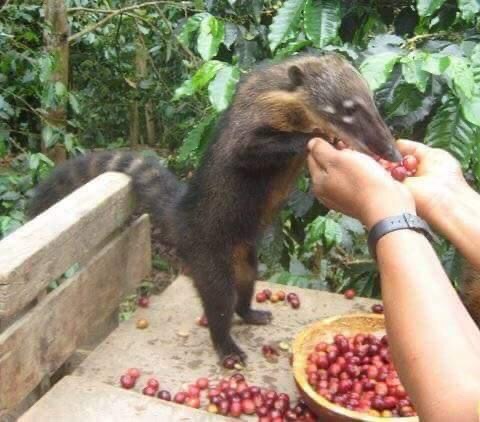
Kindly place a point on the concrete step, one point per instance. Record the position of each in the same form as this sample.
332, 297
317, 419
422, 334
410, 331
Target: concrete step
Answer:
177, 351
78, 399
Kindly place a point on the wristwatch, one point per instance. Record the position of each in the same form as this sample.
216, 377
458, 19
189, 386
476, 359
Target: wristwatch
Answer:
399, 222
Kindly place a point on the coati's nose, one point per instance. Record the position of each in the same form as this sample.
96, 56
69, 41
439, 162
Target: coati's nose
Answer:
393, 154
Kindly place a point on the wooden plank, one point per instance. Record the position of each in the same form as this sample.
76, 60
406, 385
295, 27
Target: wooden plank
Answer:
41, 341
44, 248
75, 399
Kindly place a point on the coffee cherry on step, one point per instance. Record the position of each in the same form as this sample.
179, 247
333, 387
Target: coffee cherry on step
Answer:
142, 324
193, 402
133, 372
212, 408
229, 362
143, 301
377, 308
281, 295
274, 298
180, 397
349, 294
127, 381
149, 391
267, 293
202, 383
295, 303
292, 296
202, 321
261, 297
164, 395
153, 383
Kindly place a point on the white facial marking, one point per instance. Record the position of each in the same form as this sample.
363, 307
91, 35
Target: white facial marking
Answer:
348, 103
329, 109
347, 119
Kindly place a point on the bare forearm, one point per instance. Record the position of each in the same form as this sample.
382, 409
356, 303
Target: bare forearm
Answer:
458, 219
434, 342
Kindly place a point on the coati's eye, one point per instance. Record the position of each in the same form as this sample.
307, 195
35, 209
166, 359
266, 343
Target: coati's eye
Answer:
349, 107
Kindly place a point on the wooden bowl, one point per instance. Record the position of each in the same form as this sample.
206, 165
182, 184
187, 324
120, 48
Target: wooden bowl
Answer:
325, 330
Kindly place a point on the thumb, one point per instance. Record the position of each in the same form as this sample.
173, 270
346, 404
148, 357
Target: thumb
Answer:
407, 147
321, 150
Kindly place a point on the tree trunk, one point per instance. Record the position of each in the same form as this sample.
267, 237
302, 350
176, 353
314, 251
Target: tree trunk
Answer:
134, 124
141, 61
56, 43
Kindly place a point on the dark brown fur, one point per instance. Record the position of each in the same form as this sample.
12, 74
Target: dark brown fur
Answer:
245, 176
469, 289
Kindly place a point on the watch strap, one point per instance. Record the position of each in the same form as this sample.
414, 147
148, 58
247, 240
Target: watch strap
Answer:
399, 222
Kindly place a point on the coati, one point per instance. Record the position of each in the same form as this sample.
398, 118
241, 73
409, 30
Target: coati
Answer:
246, 174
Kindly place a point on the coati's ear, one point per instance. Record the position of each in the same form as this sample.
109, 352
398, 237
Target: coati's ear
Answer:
296, 75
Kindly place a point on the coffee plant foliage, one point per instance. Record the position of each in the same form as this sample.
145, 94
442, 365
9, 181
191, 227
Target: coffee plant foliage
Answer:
421, 58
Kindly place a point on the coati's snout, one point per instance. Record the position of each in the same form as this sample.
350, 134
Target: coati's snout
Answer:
343, 105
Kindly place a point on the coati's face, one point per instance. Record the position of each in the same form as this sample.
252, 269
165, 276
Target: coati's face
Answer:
342, 105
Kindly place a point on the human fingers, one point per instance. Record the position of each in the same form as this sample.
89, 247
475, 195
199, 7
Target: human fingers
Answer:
407, 147
321, 151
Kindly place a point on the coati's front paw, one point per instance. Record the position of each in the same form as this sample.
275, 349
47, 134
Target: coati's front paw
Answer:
257, 317
231, 351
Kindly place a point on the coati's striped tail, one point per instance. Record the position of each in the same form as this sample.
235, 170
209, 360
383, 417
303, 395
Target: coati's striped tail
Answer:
156, 189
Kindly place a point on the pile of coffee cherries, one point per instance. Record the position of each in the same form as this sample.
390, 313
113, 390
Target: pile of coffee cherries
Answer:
231, 396
357, 373
400, 171
280, 296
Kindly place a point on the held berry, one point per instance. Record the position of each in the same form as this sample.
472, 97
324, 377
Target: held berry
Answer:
399, 173
410, 162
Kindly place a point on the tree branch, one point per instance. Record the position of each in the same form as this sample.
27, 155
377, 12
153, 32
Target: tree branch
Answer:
115, 12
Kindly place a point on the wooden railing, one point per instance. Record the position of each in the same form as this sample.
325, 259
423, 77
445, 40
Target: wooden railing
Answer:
40, 328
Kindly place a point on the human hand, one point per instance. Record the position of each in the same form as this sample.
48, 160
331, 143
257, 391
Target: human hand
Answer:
355, 184
437, 180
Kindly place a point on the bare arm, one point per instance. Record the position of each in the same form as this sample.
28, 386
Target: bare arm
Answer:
444, 198
434, 342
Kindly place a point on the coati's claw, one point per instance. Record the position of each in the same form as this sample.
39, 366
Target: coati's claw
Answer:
256, 317
231, 350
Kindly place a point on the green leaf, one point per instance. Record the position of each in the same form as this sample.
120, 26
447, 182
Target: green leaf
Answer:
194, 139
49, 136
471, 106
284, 22
210, 37
428, 7
377, 68
460, 72
451, 131
469, 9
291, 48
436, 63
323, 229
3, 143
200, 79
190, 28
60, 89
321, 21
412, 70
406, 99
222, 88
72, 99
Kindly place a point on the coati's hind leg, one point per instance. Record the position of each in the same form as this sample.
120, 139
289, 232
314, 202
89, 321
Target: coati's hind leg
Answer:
245, 274
214, 282
469, 289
